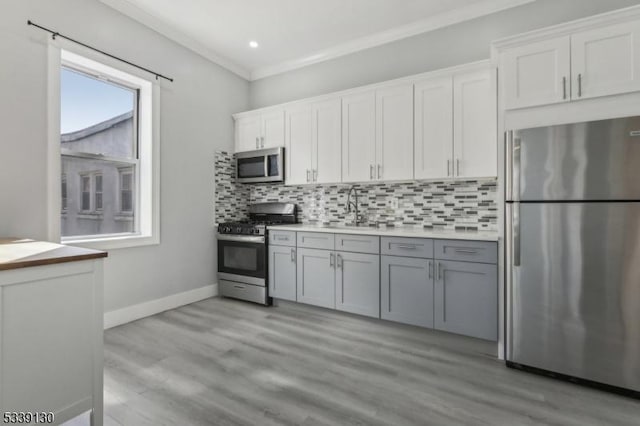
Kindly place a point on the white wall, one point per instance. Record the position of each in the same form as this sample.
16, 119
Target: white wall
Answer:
449, 46
195, 121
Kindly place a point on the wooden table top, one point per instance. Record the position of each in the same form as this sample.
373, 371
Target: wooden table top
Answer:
23, 253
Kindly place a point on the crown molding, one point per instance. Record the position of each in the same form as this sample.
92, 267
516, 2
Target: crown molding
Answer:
149, 20
430, 24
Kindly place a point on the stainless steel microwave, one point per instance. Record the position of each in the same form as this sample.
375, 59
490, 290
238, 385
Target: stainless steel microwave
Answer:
264, 165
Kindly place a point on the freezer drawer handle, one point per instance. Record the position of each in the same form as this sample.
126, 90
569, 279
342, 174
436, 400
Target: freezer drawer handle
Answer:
466, 251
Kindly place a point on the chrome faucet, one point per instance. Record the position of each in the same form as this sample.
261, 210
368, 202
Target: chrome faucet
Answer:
358, 218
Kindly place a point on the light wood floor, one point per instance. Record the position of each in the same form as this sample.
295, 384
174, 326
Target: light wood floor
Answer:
225, 362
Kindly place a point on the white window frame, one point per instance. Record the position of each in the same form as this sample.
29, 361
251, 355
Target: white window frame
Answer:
147, 193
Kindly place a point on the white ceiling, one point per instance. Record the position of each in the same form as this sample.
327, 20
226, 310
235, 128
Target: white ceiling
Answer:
295, 33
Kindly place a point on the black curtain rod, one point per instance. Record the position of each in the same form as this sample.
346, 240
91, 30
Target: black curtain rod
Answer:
55, 34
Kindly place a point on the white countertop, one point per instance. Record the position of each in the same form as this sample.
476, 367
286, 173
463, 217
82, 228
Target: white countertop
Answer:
397, 231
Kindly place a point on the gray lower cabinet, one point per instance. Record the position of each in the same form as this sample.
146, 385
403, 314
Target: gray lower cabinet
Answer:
407, 290
358, 283
316, 277
466, 298
282, 272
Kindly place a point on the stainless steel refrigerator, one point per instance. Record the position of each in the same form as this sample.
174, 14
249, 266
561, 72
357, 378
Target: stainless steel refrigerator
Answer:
573, 251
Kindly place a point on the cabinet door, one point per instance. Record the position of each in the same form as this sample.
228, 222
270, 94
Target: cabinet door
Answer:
282, 272
327, 141
605, 61
433, 128
248, 132
475, 144
298, 147
407, 290
466, 299
358, 137
537, 74
358, 283
394, 133
316, 277
272, 129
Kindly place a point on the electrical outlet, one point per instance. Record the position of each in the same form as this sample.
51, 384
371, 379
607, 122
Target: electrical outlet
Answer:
392, 203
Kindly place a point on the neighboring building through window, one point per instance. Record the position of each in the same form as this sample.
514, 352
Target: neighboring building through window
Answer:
63, 191
99, 147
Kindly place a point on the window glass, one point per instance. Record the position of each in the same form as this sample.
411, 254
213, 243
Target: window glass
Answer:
98, 144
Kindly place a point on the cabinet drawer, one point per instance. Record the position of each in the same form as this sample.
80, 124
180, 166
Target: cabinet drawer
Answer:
409, 247
282, 238
467, 251
317, 240
358, 243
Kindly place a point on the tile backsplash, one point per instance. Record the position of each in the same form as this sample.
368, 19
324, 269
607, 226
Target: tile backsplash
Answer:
469, 204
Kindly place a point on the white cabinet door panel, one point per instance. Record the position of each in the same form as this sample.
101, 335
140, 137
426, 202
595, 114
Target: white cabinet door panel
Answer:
605, 61
298, 147
433, 128
537, 74
272, 129
394, 133
248, 132
358, 136
327, 141
475, 145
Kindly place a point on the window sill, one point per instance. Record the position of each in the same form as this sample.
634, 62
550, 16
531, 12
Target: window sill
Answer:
113, 242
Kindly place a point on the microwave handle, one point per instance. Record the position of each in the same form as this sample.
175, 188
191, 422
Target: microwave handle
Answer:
266, 166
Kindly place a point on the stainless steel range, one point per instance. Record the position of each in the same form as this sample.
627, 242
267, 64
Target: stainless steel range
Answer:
242, 251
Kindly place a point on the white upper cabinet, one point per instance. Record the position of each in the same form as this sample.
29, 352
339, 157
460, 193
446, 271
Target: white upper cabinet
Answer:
313, 143
359, 136
326, 127
537, 73
433, 128
606, 61
260, 130
394, 133
272, 129
298, 145
475, 148
580, 60
248, 133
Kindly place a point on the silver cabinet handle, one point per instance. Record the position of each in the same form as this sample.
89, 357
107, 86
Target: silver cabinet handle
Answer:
315, 175
515, 229
331, 260
293, 255
564, 87
379, 171
257, 142
339, 261
458, 166
282, 238
262, 141
371, 171
430, 269
308, 172
448, 167
466, 251
407, 246
579, 85
439, 271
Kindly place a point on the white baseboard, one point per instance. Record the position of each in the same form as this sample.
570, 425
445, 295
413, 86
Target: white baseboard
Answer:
142, 310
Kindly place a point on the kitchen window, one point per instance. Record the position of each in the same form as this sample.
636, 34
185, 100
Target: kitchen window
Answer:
108, 155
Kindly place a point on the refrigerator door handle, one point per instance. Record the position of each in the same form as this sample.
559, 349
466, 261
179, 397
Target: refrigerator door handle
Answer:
515, 231
515, 169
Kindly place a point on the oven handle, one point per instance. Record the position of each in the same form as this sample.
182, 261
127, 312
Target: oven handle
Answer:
241, 238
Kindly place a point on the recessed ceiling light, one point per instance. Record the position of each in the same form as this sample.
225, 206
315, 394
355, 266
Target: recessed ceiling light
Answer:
253, 44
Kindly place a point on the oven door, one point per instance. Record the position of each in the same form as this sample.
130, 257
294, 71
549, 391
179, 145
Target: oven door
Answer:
242, 259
